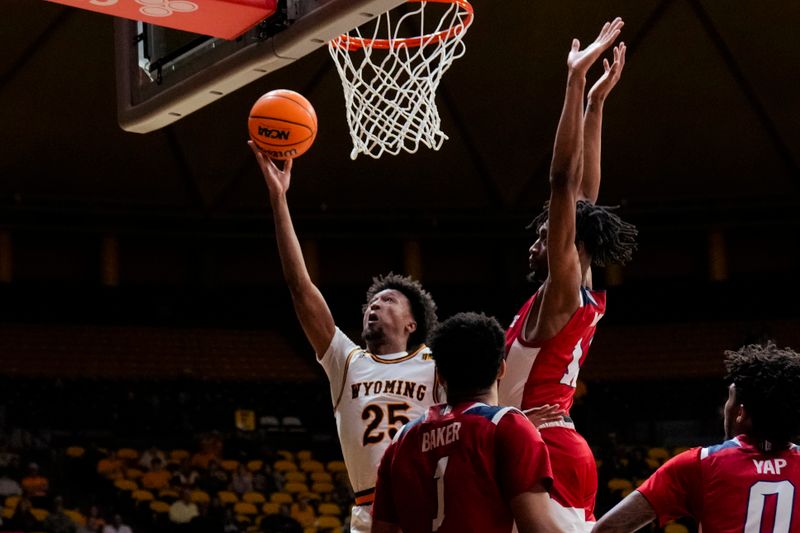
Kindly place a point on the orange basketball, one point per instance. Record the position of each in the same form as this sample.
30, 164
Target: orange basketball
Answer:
283, 124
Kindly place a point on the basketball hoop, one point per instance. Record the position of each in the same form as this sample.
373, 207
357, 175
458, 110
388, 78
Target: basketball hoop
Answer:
390, 81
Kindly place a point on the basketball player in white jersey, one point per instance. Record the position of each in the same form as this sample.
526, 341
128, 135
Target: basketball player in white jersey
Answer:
376, 390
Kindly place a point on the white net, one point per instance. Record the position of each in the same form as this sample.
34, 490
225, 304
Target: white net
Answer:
390, 81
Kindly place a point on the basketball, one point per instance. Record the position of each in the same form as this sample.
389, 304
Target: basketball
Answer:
283, 124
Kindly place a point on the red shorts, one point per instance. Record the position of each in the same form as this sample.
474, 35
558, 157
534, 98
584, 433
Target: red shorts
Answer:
574, 470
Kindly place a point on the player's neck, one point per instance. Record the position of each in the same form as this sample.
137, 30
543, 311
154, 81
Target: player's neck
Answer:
386, 346
488, 396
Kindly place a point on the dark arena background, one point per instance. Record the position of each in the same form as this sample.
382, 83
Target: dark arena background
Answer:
142, 305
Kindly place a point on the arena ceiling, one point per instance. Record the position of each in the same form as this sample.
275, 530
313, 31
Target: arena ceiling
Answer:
706, 114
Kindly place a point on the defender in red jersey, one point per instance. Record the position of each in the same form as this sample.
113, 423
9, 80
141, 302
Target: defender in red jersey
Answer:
548, 341
467, 465
749, 483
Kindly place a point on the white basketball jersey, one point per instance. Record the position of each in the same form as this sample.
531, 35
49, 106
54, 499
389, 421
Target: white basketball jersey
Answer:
373, 397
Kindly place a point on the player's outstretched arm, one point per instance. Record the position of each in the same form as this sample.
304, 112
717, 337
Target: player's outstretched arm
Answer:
629, 515
593, 124
312, 310
531, 512
561, 296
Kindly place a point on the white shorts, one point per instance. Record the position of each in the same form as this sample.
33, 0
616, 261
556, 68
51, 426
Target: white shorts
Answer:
361, 519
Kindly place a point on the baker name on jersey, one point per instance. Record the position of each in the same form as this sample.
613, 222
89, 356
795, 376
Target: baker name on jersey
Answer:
769, 466
399, 387
440, 436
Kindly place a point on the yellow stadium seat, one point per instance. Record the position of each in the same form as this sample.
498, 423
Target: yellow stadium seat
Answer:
11, 501
253, 497
680, 450
652, 463
304, 455
321, 477
39, 514
312, 466
624, 493
243, 519
126, 484
322, 487
328, 521
75, 452
286, 455
200, 496
271, 508
179, 455
336, 466
226, 497
659, 454
285, 466
281, 497
329, 509
171, 494
142, 496
619, 484
127, 453
245, 508
159, 507
75, 516
133, 473
230, 465
674, 527
295, 477
309, 496
310, 530
255, 465
7, 513
294, 488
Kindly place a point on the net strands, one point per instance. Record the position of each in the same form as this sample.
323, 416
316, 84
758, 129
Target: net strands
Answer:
390, 83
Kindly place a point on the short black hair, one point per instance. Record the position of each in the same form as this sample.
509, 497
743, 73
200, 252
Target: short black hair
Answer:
468, 349
606, 237
767, 383
423, 308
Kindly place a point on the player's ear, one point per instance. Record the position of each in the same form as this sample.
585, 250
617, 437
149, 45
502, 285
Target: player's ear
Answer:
502, 371
411, 327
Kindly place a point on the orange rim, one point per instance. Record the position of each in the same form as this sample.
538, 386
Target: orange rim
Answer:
354, 43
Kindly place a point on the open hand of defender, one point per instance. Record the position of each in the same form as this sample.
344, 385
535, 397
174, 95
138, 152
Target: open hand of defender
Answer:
579, 60
602, 87
277, 180
544, 414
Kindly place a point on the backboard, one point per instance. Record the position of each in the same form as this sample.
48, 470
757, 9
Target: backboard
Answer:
165, 74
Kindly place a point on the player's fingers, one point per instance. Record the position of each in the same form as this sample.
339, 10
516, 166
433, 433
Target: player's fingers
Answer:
576, 45
606, 66
287, 166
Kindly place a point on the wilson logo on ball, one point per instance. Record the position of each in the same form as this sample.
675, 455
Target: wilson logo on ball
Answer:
272, 133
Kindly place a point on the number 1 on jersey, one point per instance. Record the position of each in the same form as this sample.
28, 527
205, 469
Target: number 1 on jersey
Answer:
441, 466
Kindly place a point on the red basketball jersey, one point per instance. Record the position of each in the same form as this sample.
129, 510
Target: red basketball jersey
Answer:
458, 467
731, 487
547, 372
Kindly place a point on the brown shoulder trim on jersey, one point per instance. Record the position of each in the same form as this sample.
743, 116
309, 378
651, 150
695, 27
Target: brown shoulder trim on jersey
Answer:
436, 387
344, 374
412, 355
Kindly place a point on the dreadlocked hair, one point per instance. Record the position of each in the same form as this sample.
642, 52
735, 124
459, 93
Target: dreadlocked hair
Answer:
605, 236
423, 308
767, 383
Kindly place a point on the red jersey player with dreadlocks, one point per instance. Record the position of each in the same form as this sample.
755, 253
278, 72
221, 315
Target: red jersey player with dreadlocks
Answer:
549, 338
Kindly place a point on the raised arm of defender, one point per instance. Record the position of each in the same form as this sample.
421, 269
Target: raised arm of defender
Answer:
593, 124
561, 290
312, 311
